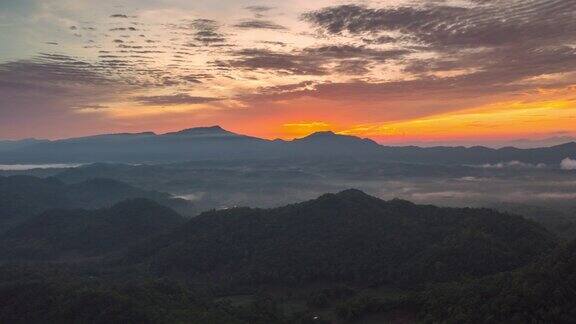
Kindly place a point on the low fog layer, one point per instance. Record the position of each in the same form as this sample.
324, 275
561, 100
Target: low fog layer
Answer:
278, 182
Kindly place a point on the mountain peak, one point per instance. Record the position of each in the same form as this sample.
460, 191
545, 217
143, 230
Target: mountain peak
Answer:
347, 195
203, 131
329, 137
322, 134
351, 193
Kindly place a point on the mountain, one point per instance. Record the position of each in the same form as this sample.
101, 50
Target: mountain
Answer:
349, 237
22, 197
331, 144
216, 143
208, 132
7, 146
191, 144
479, 155
60, 233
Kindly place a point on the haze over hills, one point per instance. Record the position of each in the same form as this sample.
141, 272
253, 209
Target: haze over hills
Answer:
215, 143
22, 197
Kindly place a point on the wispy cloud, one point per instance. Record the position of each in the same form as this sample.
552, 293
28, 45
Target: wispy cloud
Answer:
174, 99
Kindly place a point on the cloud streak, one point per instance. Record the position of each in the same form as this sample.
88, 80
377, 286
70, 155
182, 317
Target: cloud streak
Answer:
173, 100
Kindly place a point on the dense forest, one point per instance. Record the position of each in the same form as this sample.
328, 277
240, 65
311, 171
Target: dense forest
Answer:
340, 258
346, 237
543, 292
74, 233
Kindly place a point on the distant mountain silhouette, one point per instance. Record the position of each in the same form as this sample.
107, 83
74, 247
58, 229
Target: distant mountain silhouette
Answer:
216, 143
331, 144
212, 131
190, 144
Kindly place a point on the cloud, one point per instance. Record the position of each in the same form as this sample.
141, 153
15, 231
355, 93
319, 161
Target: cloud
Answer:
352, 67
49, 72
513, 165
92, 107
259, 24
444, 195
280, 62
482, 49
206, 31
320, 60
195, 196
173, 100
258, 8
494, 24
350, 51
568, 164
555, 195
38, 93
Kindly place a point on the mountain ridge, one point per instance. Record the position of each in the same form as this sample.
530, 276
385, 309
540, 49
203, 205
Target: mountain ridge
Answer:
217, 129
217, 143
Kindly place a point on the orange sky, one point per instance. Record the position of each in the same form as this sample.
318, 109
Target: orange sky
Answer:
441, 72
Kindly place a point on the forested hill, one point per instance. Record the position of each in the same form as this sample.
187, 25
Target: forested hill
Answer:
22, 197
544, 292
77, 233
339, 258
346, 237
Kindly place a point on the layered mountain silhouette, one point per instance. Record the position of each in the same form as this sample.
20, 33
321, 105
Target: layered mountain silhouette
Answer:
216, 143
22, 197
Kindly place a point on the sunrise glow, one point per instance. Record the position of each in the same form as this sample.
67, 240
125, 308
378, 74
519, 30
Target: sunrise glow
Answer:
286, 70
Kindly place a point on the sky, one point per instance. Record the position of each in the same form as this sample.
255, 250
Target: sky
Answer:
489, 72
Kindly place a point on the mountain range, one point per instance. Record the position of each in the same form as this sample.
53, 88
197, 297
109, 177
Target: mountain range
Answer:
216, 143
